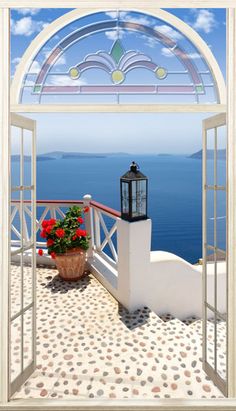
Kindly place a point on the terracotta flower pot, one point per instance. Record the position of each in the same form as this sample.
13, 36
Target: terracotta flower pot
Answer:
71, 265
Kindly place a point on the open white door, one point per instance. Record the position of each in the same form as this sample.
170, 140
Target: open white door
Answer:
215, 273
22, 276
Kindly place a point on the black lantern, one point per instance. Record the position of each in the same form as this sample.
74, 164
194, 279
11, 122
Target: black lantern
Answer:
133, 189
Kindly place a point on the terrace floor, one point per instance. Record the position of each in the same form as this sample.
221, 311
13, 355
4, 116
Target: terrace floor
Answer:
90, 347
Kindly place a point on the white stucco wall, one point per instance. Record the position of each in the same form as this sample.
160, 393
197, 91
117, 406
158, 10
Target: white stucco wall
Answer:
160, 280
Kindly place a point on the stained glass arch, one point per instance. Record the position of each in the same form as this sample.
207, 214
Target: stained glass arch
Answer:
118, 57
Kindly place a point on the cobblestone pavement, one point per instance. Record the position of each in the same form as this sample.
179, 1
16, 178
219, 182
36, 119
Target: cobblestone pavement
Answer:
90, 347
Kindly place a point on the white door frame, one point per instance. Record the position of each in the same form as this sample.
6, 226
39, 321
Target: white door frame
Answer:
27, 242
4, 197
211, 244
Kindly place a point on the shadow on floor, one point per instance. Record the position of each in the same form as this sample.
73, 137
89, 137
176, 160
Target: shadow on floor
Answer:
134, 319
57, 285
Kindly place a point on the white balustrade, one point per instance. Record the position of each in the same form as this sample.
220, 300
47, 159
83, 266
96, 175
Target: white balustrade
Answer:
100, 231
104, 232
45, 209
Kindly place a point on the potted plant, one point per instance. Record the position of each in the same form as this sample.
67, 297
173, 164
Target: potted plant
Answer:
67, 243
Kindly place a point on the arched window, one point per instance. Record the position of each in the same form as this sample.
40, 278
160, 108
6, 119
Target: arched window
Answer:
118, 57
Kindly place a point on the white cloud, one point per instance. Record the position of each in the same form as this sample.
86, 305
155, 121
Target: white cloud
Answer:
26, 26
16, 60
114, 35
150, 42
64, 81
194, 56
144, 20
205, 21
112, 14
169, 32
61, 61
26, 11
35, 67
168, 53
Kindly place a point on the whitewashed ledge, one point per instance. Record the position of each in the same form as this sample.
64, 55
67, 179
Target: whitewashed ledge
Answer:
121, 405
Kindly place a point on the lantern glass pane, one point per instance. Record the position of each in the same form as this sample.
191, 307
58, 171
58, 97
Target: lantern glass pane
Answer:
139, 197
125, 198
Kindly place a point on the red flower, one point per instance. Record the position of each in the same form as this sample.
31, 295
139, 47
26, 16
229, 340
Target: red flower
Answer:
52, 221
43, 234
40, 252
45, 223
50, 242
49, 229
86, 209
74, 237
60, 233
81, 233
80, 220
53, 255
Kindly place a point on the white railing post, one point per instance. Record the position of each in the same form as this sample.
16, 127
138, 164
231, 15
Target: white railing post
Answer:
134, 245
97, 234
88, 217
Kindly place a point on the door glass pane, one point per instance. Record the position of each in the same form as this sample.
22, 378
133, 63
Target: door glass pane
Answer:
210, 157
210, 336
27, 219
210, 276
27, 157
221, 221
15, 293
221, 155
15, 352
15, 220
210, 217
15, 155
222, 287
28, 338
221, 348
28, 277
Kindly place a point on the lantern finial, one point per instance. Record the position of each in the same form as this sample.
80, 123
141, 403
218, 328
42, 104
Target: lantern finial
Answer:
134, 167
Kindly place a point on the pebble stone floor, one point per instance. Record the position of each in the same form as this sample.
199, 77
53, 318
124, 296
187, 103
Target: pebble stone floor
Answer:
88, 346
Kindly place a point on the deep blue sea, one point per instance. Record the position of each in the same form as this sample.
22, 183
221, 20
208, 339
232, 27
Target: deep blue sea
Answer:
174, 194
174, 200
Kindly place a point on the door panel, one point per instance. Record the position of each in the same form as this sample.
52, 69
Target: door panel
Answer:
215, 250
22, 288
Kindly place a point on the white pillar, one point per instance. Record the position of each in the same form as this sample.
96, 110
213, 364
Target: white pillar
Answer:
134, 245
88, 217
4, 197
231, 180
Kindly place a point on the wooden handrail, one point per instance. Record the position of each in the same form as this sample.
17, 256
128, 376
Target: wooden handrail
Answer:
92, 203
51, 201
102, 207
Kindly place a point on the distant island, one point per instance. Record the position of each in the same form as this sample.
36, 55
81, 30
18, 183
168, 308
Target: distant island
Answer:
63, 155
221, 154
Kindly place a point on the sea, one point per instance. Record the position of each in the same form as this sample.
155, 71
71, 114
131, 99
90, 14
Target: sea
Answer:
174, 194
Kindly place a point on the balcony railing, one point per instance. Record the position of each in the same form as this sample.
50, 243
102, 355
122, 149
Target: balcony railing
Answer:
100, 223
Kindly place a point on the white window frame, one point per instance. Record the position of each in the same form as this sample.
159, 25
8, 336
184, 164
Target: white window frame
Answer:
89, 5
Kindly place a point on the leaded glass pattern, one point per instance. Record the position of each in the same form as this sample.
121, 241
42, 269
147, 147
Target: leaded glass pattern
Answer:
118, 57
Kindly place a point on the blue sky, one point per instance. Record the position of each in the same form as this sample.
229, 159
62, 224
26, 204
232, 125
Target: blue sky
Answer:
105, 132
